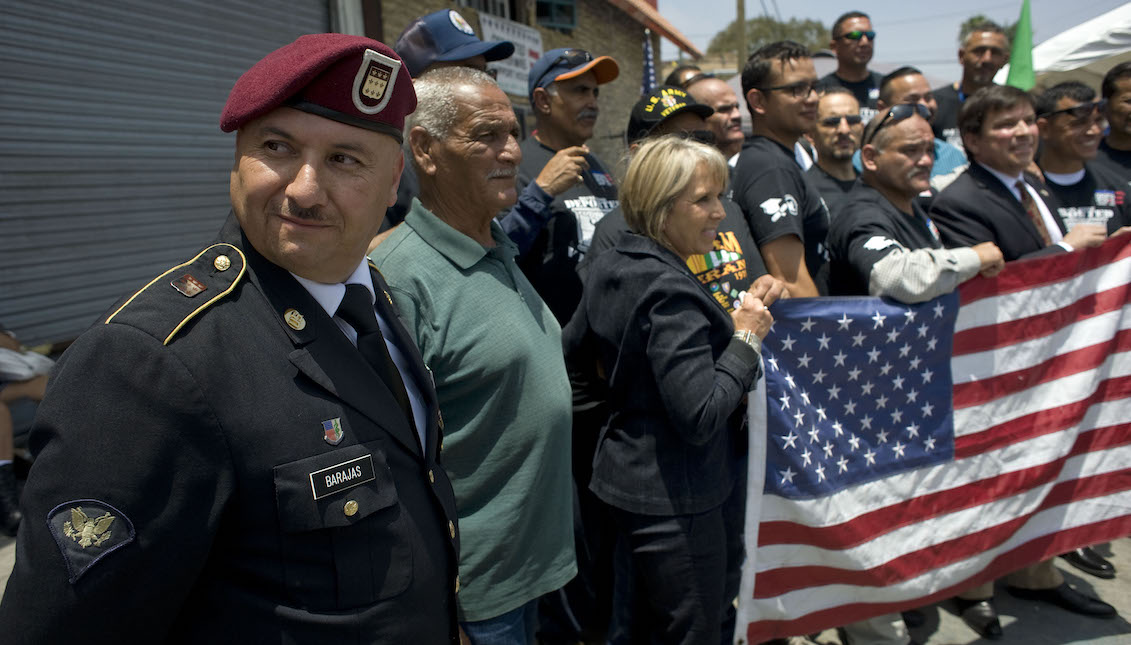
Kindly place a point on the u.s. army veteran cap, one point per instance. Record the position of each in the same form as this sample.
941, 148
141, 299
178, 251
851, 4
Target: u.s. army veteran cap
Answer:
351, 79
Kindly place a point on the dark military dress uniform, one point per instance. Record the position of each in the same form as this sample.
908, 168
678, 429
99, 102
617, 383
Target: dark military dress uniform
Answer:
225, 467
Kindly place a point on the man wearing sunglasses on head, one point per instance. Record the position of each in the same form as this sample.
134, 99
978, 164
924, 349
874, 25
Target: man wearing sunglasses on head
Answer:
908, 85
785, 211
1071, 124
835, 137
574, 189
852, 42
883, 244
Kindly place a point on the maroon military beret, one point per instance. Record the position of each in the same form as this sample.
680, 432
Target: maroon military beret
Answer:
351, 79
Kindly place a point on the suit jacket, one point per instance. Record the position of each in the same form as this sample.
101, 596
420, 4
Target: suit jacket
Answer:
225, 467
676, 378
978, 208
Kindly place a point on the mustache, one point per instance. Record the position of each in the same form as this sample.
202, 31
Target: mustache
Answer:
587, 113
502, 173
290, 209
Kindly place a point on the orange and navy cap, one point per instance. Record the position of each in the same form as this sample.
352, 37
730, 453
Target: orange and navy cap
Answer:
565, 63
351, 79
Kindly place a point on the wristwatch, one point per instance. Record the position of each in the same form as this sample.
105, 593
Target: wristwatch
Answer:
749, 337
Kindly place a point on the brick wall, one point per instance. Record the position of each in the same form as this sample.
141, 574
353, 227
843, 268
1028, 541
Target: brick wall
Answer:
602, 29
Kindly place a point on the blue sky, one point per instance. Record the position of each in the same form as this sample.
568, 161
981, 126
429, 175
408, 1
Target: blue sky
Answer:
910, 32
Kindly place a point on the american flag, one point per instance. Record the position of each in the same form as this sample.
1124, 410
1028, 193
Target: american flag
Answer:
648, 81
913, 451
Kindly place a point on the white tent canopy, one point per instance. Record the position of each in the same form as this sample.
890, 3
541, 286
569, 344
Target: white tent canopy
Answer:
1083, 53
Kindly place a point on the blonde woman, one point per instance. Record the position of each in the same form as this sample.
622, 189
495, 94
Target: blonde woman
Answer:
670, 459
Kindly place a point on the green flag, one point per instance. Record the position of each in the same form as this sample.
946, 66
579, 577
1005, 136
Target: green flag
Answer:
1021, 73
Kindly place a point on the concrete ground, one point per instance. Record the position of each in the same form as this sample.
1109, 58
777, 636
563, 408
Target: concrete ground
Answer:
1033, 623
1023, 621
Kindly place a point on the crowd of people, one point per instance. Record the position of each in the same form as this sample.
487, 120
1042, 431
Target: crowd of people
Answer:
435, 384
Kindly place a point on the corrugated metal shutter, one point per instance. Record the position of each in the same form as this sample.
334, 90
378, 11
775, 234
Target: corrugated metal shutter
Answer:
112, 163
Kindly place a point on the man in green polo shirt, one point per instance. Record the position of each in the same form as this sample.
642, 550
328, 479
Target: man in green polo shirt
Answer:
494, 349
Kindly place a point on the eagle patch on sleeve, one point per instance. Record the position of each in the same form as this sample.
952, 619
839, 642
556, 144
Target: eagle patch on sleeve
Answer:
779, 207
86, 531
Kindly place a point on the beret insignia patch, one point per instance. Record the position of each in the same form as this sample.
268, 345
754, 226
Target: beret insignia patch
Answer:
374, 83
459, 22
87, 530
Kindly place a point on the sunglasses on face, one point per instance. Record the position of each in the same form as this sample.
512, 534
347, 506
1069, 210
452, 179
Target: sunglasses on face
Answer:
1081, 111
896, 114
834, 121
799, 90
571, 57
857, 34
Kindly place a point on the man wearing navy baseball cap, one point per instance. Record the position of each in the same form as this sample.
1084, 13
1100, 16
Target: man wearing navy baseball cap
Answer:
440, 39
246, 448
445, 39
576, 190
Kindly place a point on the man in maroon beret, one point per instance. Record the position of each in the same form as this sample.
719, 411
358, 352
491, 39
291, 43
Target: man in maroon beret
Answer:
246, 448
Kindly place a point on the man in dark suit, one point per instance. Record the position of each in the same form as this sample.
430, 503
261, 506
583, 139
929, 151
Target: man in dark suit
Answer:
997, 201
246, 449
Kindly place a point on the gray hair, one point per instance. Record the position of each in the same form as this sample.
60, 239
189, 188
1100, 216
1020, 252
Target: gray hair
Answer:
436, 107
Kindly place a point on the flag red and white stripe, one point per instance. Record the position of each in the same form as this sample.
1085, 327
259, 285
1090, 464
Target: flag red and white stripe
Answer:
1041, 367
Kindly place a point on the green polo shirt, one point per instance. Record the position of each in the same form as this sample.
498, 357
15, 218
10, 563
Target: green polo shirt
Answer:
495, 351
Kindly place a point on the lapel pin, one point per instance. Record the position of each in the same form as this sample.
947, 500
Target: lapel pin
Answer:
294, 319
333, 431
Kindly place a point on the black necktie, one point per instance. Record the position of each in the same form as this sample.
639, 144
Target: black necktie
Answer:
357, 310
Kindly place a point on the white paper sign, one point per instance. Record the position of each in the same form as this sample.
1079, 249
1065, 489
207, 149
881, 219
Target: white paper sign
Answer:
527, 41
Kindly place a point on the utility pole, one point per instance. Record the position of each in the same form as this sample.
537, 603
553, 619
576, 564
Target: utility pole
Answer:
741, 49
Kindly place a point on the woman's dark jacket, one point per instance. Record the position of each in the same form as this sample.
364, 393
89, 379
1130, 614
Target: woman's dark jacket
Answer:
675, 377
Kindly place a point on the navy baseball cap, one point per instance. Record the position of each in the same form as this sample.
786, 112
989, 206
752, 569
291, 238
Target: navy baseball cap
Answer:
444, 36
566, 63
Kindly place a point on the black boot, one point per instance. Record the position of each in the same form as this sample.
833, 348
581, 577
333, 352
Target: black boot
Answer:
9, 501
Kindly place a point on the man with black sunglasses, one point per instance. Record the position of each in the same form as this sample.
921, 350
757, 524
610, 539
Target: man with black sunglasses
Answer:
1115, 149
785, 211
852, 41
1071, 124
835, 137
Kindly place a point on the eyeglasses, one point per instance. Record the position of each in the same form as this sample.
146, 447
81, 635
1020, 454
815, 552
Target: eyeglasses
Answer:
571, 57
857, 34
896, 114
799, 90
834, 121
1080, 111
